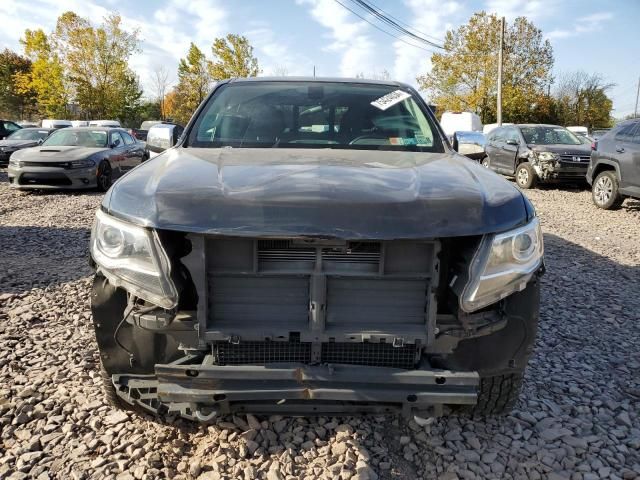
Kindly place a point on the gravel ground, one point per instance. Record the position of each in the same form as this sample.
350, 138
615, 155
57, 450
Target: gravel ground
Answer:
578, 416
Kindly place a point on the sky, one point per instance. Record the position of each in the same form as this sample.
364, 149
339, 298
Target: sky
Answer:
294, 36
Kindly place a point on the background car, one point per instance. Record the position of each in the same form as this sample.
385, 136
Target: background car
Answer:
104, 123
52, 123
614, 169
7, 128
84, 157
23, 138
452, 122
537, 152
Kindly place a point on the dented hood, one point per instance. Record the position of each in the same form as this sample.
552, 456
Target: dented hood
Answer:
316, 192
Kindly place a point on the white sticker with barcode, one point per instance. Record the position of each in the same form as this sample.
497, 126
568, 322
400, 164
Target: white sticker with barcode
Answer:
390, 99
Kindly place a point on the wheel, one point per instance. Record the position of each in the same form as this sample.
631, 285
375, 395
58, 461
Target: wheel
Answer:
526, 176
104, 176
497, 395
605, 191
110, 391
485, 162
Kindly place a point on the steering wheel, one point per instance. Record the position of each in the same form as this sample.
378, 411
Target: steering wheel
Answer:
368, 137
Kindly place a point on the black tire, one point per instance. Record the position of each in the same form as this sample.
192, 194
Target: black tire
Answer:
526, 176
110, 391
497, 395
104, 176
485, 162
605, 193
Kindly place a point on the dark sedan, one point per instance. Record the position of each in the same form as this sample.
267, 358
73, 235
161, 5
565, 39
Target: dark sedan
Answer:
537, 153
23, 138
85, 157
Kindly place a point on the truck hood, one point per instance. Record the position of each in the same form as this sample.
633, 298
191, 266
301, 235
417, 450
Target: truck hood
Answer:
378, 195
561, 149
57, 154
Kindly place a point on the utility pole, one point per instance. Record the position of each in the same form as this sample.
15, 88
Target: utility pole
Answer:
635, 110
314, 71
499, 106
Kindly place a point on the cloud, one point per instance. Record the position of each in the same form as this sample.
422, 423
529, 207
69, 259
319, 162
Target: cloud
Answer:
532, 9
586, 24
348, 37
165, 34
427, 17
274, 55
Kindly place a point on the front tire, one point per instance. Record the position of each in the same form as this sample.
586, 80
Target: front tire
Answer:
110, 393
605, 193
526, 176
497, 395
104, 176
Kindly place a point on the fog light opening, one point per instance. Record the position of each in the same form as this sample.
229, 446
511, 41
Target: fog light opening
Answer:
218, 397
412, 398
441, 380
192, 373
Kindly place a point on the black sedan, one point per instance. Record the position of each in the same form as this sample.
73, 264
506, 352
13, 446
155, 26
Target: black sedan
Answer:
23, 138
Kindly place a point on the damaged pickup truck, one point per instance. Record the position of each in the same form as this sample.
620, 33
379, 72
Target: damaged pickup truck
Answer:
314, 246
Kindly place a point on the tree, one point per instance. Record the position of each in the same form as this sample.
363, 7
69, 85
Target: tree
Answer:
96, 61
581, 99
14, 104
45, 81
160, 82
194, 82
169, 105
464, 77
233, 57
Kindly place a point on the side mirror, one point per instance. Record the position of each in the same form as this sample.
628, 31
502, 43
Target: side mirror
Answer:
115, 144
512, 142
40, 141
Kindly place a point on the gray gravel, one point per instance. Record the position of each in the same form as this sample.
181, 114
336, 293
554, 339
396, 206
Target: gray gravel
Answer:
578, 417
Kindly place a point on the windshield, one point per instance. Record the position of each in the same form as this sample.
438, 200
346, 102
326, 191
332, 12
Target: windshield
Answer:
549, 136
315, 115
80, 138
25, 134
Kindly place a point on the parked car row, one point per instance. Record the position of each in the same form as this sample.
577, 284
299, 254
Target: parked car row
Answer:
536, 153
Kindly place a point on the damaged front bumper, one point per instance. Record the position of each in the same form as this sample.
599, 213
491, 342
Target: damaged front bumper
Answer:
557, 170
202, 391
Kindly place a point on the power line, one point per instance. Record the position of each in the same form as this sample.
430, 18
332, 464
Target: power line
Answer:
382, 30
393, 24
436, 39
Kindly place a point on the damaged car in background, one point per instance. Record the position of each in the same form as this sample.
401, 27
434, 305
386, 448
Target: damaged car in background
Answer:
314, 246
537, 153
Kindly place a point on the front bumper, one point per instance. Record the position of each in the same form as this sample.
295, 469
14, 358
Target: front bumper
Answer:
202, 391
52, 178
559, 171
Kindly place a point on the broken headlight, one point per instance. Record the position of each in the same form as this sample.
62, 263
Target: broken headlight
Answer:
546, 156
131, 257
503, 264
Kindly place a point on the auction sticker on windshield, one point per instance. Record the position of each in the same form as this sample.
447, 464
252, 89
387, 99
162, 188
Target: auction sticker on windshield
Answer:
390, 99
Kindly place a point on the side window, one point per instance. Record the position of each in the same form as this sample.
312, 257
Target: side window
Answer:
512, 134
625, 134
498, 135
127, 138
117, 138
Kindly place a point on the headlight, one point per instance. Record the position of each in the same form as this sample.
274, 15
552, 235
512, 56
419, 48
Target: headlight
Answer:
546, 156
131, 257
82, 164
503, 265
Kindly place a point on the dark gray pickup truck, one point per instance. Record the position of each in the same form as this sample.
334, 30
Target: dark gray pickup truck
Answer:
314, 246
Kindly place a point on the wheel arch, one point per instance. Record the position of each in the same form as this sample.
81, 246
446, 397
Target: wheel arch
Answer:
604, 166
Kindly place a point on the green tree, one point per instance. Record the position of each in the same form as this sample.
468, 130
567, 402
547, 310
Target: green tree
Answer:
14, 104
45, 81
233, 57
97, 64
581, 99
464, 77
194, 82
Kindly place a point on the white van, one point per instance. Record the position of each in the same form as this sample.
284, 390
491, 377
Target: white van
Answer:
79, 123
104, 123
50, 123
584, 131
453, 122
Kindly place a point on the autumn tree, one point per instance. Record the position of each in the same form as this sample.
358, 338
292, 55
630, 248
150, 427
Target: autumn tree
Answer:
96, 61
194, 82
45, 80
464, 76
581, 99
14, 104
160, 82
233, 57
